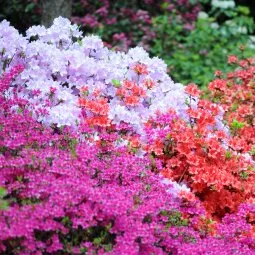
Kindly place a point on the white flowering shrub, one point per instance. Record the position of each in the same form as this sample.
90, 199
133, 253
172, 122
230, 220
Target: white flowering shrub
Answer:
62, 66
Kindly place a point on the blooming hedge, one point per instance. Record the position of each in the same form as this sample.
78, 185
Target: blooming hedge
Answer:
101, 152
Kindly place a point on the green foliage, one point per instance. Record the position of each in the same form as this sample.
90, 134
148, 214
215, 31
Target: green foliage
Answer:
228, 155
3, 202
236, 125
174, 218
244, 175
100, 236
21, 13
116, 83
252, 152
194, 56
169, 35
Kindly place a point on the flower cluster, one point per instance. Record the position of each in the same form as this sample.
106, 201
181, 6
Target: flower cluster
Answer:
235, 94
65, 72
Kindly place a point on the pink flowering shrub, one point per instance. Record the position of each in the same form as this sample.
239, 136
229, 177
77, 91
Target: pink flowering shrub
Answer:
123, 24
65, 195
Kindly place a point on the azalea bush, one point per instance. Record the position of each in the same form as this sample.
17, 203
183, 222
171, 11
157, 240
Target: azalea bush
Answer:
201, 153
66, 195
102, 152
212, 149
81, 76
234, 92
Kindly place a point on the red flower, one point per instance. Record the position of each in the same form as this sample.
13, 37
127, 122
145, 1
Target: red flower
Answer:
218, 73
149, 83
140, 69
128, 84
131, 100
232, 59
192, 90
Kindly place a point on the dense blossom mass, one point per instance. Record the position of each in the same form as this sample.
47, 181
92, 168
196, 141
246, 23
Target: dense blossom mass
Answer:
101, 152
62, 65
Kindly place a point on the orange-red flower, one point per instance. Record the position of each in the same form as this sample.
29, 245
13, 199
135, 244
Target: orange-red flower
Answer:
192, 90
140, 69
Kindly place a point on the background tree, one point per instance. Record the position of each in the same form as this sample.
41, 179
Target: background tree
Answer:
55, 8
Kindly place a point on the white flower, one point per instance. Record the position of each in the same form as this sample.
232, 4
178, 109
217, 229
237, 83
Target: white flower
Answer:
215, 25
176, 187
223, 4
202, 15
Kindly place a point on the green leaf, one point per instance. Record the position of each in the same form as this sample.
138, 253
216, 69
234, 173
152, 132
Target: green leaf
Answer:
29, 7
3, 205
244, 175
228, 155
252, 152
97, 241
236, 125
164, 5
19, 110
2, 192
79, 42
116, 83
108, 247
19, 178
243, 10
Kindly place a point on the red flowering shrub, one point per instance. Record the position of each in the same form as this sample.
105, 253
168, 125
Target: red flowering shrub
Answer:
204, 154
235, 93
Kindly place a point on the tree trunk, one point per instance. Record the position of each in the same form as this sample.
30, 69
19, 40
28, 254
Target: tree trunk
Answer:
52, 9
